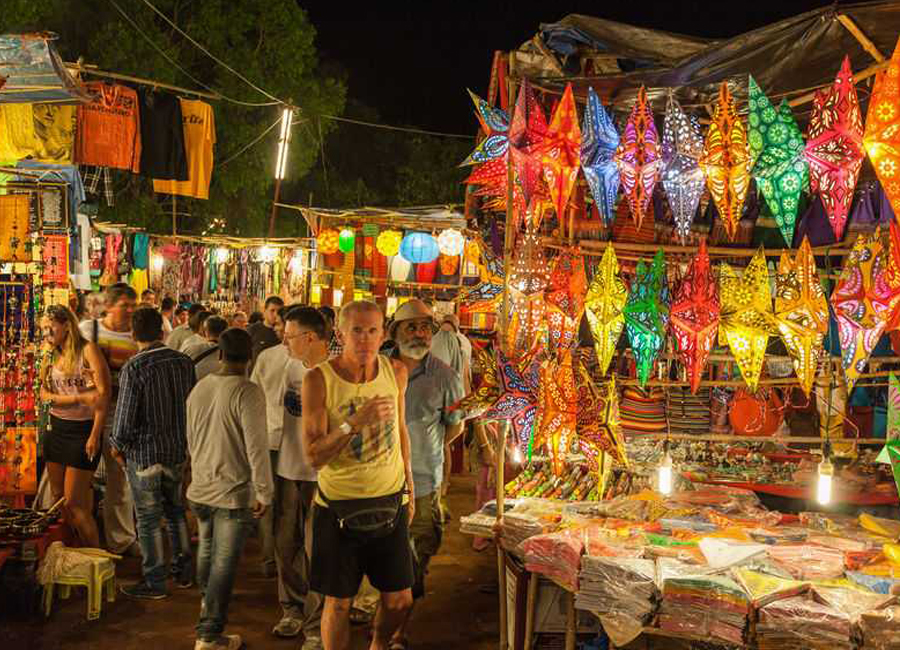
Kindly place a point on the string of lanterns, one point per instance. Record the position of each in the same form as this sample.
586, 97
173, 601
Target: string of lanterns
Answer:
414, 247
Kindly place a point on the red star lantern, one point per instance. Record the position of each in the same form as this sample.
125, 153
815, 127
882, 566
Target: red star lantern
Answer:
639, 157
527, 133
559, 410
695, 316
562, 152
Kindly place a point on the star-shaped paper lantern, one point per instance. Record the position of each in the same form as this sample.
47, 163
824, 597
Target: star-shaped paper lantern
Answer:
893, 408
597, 419
559, 410
746, 317
781, 170
482, 398
562, 152
882, 134
892, 313
861, 303
565, 299
890, 455
599, 141
495, 125
647, 314
518, 398
695, 316
604, 307
726, 162
834, 147
484, 297
682, 179
527, 133
525, 321
801, 312
638, 157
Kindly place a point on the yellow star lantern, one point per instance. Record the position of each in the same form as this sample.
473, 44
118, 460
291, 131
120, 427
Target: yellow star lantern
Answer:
801, 312
746, 315
604, 305
726, 161
882, 135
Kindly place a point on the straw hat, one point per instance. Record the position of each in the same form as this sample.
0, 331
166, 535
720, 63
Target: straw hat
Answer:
411, 310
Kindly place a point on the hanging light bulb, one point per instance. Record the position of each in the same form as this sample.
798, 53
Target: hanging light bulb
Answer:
826, 474
664, 472
517, 456
337, 297
222, 255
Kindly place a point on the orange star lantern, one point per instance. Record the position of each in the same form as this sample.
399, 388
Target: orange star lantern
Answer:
882, 135
562, 152
558, 400
565, 299
726, 161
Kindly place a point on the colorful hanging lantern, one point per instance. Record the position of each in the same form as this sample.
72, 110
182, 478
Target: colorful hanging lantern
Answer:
388, 242
419, 248
861, 301
347, 240
599, 141
449, 264
647, 314
681, 178
527, 133
484, 296
518, 396
495, 125
400, 269
801, 312
893, 408
781, 170
890, 455
597, 420
524, 320
327, 242
451, 242
834, 147
558, 400
746, 317
695, 316
530, 271
725, 161
483, 397
604, 308
561, 152
892, 313
882, 135
638, 157
565, 299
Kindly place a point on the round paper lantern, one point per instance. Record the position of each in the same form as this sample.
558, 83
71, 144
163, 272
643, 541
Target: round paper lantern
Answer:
400, 269
388, 242
347, 240
327, 241
419, 248
451, 242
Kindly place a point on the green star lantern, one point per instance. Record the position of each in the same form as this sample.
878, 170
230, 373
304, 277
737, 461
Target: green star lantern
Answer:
647, 314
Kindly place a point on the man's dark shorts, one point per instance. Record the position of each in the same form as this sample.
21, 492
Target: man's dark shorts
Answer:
339, 561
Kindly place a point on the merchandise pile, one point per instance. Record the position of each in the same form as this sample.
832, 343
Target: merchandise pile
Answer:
578, 482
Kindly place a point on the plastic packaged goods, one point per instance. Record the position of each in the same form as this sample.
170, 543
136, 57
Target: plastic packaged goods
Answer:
621, 591
704, 605
808, 562
801, 622
880, 629
827, 522
764, 588
556, 556
886, 527
852, 602
721, 553
878, 584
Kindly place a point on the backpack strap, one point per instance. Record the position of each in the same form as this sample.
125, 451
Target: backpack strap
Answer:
200, 357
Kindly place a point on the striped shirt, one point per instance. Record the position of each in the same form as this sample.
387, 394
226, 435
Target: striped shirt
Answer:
151, 421
117, 347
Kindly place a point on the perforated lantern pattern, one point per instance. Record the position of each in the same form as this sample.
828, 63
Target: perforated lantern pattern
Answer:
647, 314
682, 178
882, 135
638, 158
599, 141
604, 307
562, 152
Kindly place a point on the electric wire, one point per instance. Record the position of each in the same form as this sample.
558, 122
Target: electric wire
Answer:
397, 128
250, 144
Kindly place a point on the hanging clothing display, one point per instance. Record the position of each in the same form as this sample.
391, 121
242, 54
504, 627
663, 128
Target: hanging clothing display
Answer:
34, 171
17, 139
163, 153
108, 132
199, 138
54, 132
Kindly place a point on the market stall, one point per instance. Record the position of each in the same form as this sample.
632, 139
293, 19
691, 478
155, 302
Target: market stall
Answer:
713, 345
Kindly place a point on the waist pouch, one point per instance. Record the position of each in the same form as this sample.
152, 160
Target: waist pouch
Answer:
366, 519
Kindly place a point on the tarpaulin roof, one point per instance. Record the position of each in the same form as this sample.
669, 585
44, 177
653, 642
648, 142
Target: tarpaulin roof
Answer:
34, 71
789, 57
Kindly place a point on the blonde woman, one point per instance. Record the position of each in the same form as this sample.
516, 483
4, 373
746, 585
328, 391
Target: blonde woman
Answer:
76, 384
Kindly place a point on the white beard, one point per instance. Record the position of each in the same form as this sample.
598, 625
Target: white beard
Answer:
416, 352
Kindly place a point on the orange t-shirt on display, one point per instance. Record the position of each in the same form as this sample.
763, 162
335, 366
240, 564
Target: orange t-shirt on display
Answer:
199, 138
108, 132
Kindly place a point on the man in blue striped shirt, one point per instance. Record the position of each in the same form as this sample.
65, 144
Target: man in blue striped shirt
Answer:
149, 441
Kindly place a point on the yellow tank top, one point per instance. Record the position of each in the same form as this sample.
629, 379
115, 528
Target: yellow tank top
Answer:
371, 465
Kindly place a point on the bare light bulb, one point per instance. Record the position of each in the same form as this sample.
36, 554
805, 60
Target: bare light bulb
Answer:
338, 296
664, 475
517, 456
823, 488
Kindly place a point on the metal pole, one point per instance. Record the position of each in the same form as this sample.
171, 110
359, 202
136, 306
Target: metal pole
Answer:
274, 208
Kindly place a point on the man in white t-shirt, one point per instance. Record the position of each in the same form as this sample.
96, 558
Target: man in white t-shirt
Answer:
205, 354
306, 338
269, 373
112, 334
183, 331
198, 331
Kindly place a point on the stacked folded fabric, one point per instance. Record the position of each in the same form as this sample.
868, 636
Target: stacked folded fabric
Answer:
880, 630
478, 524
556, 556
809, 562
704, 605
801, 622
642, 412
764, 588
688, 413
621, 591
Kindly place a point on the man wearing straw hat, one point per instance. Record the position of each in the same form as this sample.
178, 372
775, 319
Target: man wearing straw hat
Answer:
433, 388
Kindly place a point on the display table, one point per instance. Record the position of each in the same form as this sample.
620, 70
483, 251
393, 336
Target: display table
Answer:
873, 498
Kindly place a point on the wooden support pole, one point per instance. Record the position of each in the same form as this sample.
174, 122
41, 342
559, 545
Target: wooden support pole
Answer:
500, 455
533, 580
571, 620
174, 221
864, 40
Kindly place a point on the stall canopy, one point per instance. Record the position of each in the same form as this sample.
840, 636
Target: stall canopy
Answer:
31, 71
789, 57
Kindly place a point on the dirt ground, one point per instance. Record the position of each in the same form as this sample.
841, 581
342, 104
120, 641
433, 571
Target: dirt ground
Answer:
455, 613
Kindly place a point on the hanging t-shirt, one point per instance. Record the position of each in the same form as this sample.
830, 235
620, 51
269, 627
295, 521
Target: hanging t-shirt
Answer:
17, 139
54, 132
163, 153
108, 133
49, 172
199, 138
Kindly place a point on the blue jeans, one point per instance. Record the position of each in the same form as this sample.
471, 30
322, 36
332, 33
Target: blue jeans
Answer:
156, 491
223, 532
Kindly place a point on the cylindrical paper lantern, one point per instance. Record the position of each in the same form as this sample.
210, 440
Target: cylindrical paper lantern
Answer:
399, 269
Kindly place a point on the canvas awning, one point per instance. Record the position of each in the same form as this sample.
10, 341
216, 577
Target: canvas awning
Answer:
34, 72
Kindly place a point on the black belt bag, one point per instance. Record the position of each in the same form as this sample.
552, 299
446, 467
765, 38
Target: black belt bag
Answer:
367, 519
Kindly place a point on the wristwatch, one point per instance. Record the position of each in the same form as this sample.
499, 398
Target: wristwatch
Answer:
345, 428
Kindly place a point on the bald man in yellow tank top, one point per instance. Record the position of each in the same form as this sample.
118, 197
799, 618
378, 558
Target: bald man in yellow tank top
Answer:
354, 433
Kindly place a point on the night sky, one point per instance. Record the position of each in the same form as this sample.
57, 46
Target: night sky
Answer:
412, 62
